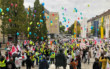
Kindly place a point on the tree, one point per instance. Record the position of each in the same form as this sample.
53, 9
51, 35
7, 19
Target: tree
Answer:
99, 32
61, 27
17, 14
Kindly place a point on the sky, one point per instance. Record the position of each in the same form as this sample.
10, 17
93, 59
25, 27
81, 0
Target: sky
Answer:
96, 7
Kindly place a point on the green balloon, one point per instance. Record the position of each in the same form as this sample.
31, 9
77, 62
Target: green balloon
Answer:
63, 8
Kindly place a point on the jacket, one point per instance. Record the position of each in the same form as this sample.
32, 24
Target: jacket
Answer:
28, 62
74, 64
104, 62
96, 65
44, 64
10, 65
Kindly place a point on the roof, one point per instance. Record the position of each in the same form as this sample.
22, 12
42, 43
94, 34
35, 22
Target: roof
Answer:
98, 16
26, 9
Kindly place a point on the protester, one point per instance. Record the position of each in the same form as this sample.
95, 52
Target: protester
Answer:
74, 64
3, 62
28, 63
96, 64
11, 64
44, 64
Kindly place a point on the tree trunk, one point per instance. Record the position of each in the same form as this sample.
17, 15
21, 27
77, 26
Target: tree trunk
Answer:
16, 39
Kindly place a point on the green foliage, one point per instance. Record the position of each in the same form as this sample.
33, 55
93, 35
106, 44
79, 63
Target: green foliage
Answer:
38, 29
62, 27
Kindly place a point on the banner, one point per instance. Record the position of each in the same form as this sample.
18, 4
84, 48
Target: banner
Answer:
25, 42
102, 32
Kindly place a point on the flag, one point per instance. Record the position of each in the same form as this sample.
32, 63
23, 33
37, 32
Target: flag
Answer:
101, 32
13, 49
18, 48
107, 67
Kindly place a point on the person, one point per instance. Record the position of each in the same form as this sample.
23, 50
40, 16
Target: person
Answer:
18, 61
36, 55
79, 62
96, 64
11, 64
104, 61
84, 52
24, 57
60, 59
32, 59
43, 64
0, 53
52, 56
3, 62
74, 64
87, 56
28, 63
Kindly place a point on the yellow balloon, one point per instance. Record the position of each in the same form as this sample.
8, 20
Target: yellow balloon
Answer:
36, 27
73, 10
2, 13
37, 23
30, 23
40, 15
28, 35
56, 18
51, 23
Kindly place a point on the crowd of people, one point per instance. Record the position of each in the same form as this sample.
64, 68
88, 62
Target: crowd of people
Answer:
69, 52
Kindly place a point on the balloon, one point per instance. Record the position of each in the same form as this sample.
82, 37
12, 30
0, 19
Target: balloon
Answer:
2, 13
29, 33
65, 9
73, 10
62, 8
44, 17
31, 13
17, 33
37, 37
15, 5
36, 27
80, 13
53, 14
97, 29
34, 11
30, 23
56, 18
85, 29
74, 33
34, 33
0, 10
7, 9
43, 4
68, 22
11, 4
28, 13
43, 12
47, 16
88, 5
64, 20
62, 13
34, 15
42, 38
68, 19
78, 18
40, 15
41, 20
51, 21
76, 10
39, 25
9, 20
66, 25
81, 17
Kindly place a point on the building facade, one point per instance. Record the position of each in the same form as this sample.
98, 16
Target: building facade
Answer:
105, 15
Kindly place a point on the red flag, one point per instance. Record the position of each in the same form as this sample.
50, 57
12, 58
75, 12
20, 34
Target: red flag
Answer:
13, 49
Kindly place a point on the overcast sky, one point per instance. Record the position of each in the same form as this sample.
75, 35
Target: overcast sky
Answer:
96, 8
